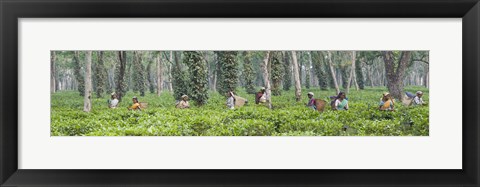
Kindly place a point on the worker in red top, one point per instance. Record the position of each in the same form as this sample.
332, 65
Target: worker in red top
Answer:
260, 96
311, 102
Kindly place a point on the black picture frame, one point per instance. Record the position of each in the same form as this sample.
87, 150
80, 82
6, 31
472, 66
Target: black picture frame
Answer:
12, 10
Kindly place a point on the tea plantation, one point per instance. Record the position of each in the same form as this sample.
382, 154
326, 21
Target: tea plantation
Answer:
287, 118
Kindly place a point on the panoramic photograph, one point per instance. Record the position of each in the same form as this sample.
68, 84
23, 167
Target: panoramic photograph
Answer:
239, 93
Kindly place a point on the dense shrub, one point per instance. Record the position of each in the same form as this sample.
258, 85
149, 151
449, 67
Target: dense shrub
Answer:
288, 118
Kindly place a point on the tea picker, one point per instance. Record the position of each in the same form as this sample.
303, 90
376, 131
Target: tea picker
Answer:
316, 104
136, 105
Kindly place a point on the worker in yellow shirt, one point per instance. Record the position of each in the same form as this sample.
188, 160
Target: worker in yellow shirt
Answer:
136, 104
387, 102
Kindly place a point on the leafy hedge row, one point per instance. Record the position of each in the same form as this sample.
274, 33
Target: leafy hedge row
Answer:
213, 119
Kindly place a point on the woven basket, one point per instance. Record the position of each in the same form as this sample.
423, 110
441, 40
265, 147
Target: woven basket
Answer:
320, 104
143, 105
239, 101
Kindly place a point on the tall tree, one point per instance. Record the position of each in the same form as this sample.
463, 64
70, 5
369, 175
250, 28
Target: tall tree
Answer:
121, 84
180, 78
296, 75
287, 80
228, 71
87, 102
78, 73
359, 74
426, 81
332, 70
138, 73
170, 78
423, 57
110, 62
266, 76
100, 74
342, 70
217, 75
319, 68
308, 65
395, 70
277, 72
52, 72
159, 74
352, 71
197, 67
301, 68
249, 74
150, 76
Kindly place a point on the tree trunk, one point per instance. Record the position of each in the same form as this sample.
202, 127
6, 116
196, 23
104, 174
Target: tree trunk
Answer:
352, 72
301, 69
296, 76
355, 81
287, 81
198, 82
52, 72
111, 80
121, 86
159, 74
308, 70
99, 75
395, 74
87, 102
228, 74
138, 73
170, 83
425, 78
214, 84
334, 77
370, 75
266, 76
215, 73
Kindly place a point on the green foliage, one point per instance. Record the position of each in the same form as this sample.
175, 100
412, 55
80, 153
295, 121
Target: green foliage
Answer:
287, 78
249, 74
100, 75
199, 76
228, 71
79, 73
180, 78
138, 73
319, 66
288, 118
369, 56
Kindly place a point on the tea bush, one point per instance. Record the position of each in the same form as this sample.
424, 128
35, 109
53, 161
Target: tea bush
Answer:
287, 118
